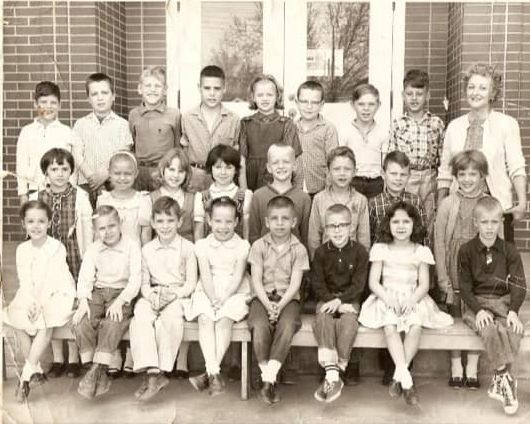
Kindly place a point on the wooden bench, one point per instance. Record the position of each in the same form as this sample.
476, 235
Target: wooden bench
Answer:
458, 337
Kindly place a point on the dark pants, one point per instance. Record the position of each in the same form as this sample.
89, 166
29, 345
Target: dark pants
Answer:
509, 233
273, 341
144, 180
370, 187
99, 336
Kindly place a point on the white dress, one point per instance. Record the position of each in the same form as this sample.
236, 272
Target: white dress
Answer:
222, 258
46, 282
400, 279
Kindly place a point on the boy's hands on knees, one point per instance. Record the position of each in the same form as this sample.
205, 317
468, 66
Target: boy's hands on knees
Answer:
483, 319
512, 319
82, 310
331, 306
115, 312
347, 308
274, 312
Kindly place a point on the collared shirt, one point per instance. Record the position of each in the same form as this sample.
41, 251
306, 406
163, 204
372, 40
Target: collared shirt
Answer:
368, 148
100, 140
360, 224
154, 131
258, 211
421, 141
115, 267
34, 140
171, 265
379, 205
231, 191
278, 264
339, 272
495, 271
501, 146
316, 143
197, 138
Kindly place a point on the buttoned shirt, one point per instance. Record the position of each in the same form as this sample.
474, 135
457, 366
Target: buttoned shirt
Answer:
502, 147
34, 140
100, 140
115, 267
171, 265
278, 264
491, 271
421, 141
368, 147
154, 131
316, 142
197, 138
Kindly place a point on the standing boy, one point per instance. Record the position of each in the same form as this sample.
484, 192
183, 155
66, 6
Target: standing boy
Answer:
281, 164
493, 288
208, 125
102, 133
155, 127
278, 261
317, 137
45, 132
339, 274
419, 134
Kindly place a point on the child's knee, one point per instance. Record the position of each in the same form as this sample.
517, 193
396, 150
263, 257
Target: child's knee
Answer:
204, 320
390, 330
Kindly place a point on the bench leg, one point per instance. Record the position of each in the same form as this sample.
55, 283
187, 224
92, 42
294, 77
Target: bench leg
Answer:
3, 359
244, 371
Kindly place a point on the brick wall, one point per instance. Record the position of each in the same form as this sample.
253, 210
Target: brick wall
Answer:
454, 59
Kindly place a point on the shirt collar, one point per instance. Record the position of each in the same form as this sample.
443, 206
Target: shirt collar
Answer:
175, 243
318, 123
267, 238
498, 245
216, 190
354, 123
109, 117
330, 246
266, 118
393, 197
198, 112
271, 188
121, 246
231, 244
54, 123
426, 115
144, 109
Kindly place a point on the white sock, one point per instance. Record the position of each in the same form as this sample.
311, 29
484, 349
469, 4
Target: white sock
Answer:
274, 368
342, 363
212, 368
332, 372
27, 372
472, 365
456, 367
406, 378
57, 350
264, 367
73, 352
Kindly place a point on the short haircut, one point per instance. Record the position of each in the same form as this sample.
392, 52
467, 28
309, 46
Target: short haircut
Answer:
488, 204
311, 85
338, 209
223, 201
166, 205
227, 154
35, 204
123, 154
362, 89
341, 151
165, 162
282, 146
212, 71
469, 159
416, 78
58, 155
396, 157
484, 70
260, 78
280, 202
158, 72
105, 210
98, 77
418, 230
47, 88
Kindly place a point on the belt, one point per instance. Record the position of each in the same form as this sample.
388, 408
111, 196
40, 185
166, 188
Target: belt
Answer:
197, 165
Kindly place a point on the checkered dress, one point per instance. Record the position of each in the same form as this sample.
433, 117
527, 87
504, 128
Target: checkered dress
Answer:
63, 226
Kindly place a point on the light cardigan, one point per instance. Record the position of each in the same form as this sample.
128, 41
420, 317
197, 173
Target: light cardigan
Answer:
501, 146
83, 218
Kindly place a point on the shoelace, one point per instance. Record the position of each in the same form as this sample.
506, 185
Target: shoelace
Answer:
507, 392
327, 386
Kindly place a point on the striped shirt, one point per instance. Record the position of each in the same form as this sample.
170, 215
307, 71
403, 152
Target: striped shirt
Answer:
100, 140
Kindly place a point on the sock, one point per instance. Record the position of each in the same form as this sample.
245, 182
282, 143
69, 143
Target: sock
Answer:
27, 372
404, 377
38, 368
456, 367
472, 365
264, 367
274, 368
128, 365
212, 368
343, 363
57, 350
332, 373
73, 353
152, 371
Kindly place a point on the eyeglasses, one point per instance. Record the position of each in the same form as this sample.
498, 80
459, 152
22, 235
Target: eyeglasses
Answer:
309, 102
341, 226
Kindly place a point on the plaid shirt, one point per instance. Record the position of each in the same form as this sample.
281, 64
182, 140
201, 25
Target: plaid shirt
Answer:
422, 141
379, 205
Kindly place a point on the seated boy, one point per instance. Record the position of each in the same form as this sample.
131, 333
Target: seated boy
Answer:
109, 280
278, 261
101, 134
419, 134
155, 127
493, 288
339, 273
208, 125
35, 139
281, 164
169, 276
